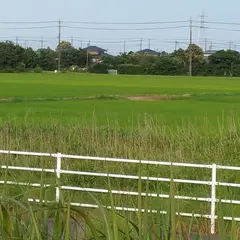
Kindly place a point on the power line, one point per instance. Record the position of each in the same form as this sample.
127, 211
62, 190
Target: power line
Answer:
125, 29
107, 42
120, 23
113, 41
220, 23
224, 29
124, 23
152, 41
31, 40
123, 41
42, 22
129, 39
25, 28
26, 37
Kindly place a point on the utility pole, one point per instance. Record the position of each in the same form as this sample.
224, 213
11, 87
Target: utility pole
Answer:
205, 47
81, 44
176, 45
72, 41
149, 43
17, 40
230, 45
59, 47
25, 45
124, 47
41, 41
211, 46
141, 43
190, 48
87, 55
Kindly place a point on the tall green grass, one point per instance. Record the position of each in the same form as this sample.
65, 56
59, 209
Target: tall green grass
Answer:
151, 140
42, 221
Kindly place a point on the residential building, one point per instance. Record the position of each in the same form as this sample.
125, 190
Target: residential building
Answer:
96, 53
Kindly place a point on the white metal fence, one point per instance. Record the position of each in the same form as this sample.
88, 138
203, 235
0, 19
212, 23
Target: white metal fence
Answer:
58, 171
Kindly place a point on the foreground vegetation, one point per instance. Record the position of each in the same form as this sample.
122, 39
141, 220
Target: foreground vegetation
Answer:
43, 221
151, 141
182, 120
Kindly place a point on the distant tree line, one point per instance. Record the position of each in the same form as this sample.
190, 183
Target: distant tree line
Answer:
15, 58
221, 63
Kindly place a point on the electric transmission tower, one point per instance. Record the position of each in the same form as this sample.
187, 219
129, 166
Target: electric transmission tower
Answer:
202, 38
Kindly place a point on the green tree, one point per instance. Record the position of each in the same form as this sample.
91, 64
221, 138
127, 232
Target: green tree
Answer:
46, 59
30, 58
115, 61
11, 56
165, 65
82, 58
198, 60
72, 56
64, 45
224, 63
179, 55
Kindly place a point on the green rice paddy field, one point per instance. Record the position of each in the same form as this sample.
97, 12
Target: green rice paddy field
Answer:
77, 97
181, 119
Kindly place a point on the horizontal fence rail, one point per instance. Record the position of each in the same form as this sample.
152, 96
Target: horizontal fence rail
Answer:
58, 171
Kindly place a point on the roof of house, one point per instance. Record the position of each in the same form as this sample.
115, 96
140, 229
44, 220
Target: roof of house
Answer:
147, 51
94, 49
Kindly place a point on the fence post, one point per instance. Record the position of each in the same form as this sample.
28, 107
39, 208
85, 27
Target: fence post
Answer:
58, 173
213, 198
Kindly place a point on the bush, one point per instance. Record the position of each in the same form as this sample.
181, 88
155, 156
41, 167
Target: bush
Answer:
82, 70
64, 70
99, 68
20, 67
74, 68
7, 70
38, 69
130, 69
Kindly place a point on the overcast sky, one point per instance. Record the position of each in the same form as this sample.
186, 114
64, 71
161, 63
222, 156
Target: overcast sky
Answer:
121, 11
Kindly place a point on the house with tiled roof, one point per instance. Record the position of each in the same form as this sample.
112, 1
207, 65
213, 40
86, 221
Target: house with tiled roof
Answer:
96, 53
